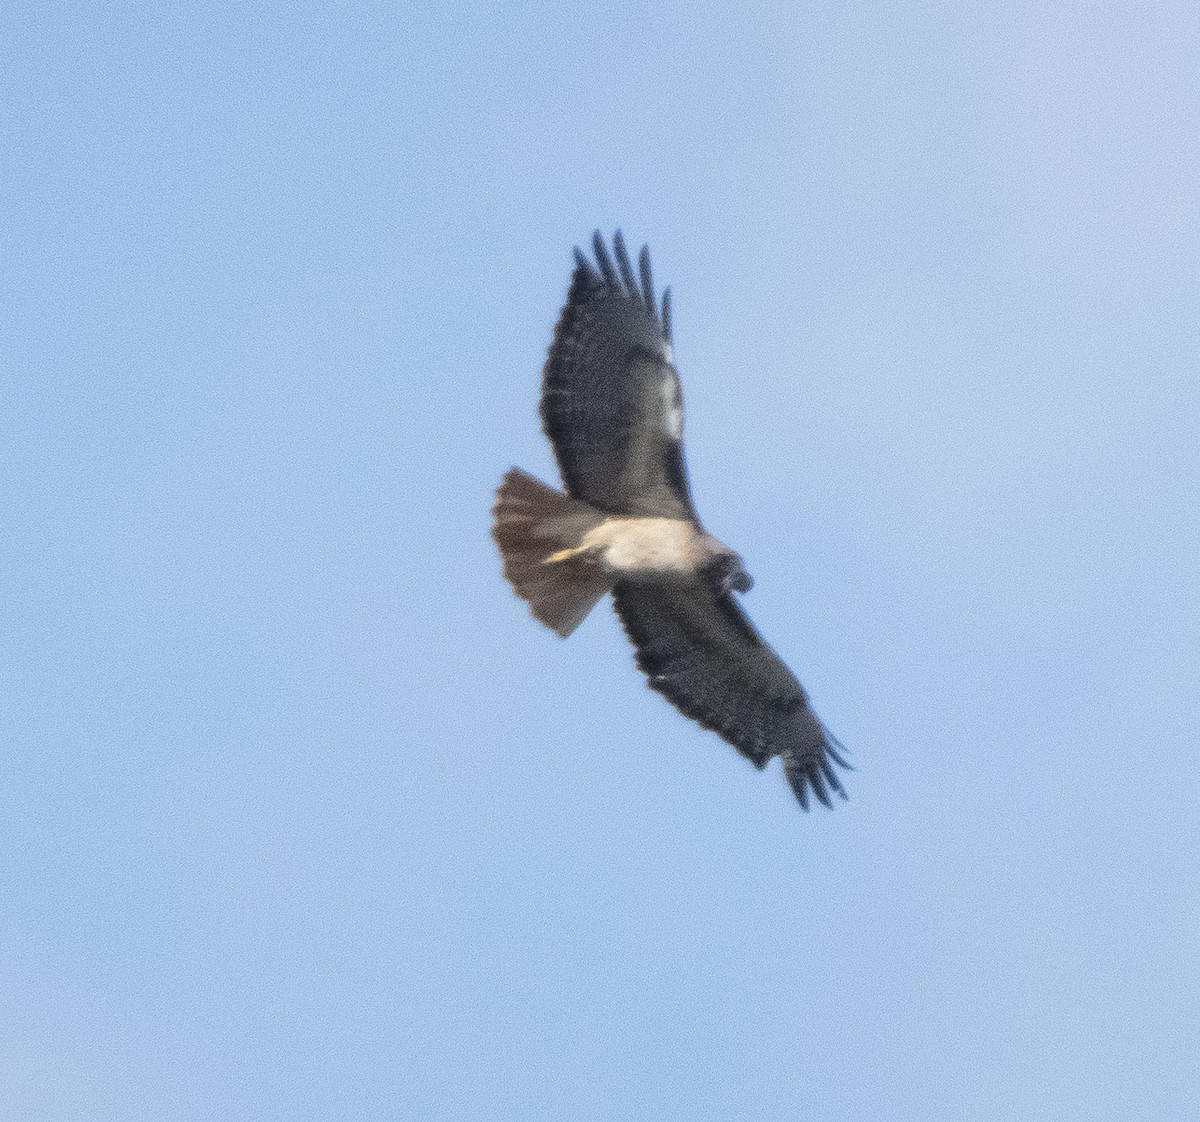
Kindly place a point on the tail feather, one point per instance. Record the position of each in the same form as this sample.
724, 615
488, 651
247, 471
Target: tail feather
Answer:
531, 521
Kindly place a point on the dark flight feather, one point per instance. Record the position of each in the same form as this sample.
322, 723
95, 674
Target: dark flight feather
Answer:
698, 649
612, 405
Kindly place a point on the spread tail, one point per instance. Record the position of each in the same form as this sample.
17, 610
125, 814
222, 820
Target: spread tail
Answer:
531, 523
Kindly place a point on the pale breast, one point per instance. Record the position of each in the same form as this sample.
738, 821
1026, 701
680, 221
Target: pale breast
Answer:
646, 545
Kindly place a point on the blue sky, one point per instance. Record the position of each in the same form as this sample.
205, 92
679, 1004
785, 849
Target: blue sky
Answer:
302, 816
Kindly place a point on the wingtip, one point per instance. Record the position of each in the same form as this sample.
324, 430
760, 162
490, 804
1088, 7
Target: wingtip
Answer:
836, 750
613, 269
813, 772
647, 280
607, 272
806, 783
632, 292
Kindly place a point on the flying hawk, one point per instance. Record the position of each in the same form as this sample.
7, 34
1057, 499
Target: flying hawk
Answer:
612, 409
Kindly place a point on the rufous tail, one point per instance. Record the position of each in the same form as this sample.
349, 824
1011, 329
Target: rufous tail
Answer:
531, 523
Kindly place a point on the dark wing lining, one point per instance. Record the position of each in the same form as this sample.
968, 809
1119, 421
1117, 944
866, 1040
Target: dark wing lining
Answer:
700, 651
611, 401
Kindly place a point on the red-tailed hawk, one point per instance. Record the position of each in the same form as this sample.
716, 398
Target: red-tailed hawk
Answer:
612, 409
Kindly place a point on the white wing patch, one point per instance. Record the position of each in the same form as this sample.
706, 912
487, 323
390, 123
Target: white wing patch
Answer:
672, 406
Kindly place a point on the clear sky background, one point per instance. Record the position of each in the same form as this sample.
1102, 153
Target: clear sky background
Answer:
302, 816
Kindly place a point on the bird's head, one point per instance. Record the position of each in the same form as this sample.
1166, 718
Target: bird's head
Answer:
728, 572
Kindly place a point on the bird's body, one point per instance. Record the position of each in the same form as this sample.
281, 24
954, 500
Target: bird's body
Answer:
626, 547
613, 410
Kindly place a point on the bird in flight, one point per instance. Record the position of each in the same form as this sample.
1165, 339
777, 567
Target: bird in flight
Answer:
613, 411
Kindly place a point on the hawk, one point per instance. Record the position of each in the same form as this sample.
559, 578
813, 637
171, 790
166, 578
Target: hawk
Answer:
613, 410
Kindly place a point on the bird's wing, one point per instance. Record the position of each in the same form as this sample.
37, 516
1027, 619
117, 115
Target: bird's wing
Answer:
611, 401
700, 651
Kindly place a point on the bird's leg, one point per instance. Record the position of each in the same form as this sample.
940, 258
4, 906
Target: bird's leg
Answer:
590, 546
585, 552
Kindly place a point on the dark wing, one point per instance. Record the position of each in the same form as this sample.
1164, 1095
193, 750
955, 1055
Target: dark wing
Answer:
700, 651
611, 402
